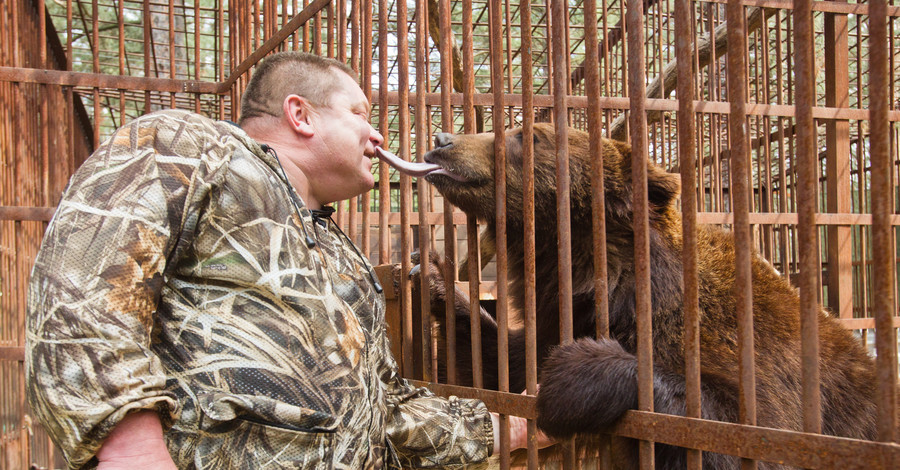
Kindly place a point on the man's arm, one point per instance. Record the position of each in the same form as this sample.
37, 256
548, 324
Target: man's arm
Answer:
97, 280
136, 443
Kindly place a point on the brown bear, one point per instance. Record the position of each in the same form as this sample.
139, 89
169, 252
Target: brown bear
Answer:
587, 385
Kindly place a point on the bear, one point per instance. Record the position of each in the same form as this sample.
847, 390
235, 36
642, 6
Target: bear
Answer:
585, 386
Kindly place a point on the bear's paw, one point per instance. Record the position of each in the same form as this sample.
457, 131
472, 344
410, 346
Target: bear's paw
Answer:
585, 387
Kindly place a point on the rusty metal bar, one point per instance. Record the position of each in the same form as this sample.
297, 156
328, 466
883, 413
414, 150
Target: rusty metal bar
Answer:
79, 79
95, 52
43, 214
528, 215
687, 160
272, 43
341, 30
354, 64
474, 252
12, 353
658, 104
641, 217
449, 228
220, 59
560, 77
384, 195
197, 105
882, 232
806, 195
424, 190
740, 182
171, 25
598, 204
790, 448
366, 68
45, 118
405, 187
147, 44
496, 15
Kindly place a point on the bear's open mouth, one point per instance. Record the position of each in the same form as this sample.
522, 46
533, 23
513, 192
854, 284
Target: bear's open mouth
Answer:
415, 168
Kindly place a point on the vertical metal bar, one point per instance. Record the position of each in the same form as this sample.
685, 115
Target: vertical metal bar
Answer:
220, 56
366, 67
560, 74
598, 204
474, 253
354, 64
530, 244
405, 186
737, 132
253, 24
687, 162
384, 182
782, 171
70, 95
95, 53
341, 30
449, 226
837, 94
496, 14
882, 231
641, 217
147, 45
806, 194
171, 22
424, 189
45, 119
196, 52
332, 27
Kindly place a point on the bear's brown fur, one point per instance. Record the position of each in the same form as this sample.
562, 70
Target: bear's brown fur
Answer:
587, 385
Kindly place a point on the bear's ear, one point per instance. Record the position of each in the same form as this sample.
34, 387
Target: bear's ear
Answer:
662, 187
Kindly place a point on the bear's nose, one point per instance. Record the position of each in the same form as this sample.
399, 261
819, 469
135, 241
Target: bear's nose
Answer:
443, 139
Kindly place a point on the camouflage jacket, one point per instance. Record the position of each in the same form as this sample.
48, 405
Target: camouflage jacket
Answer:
175, 277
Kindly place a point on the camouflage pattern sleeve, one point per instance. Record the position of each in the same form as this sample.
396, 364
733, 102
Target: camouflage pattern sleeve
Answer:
98, 276
432, 431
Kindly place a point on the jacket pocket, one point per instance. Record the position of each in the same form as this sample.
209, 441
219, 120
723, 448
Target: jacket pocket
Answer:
245, 432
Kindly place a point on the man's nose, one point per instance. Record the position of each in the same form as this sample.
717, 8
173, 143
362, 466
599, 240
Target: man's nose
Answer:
443, 139
375, 137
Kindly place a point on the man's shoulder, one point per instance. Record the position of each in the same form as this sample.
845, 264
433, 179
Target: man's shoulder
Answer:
180, 119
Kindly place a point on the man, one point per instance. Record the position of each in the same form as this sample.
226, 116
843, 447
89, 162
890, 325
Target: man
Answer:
193, 306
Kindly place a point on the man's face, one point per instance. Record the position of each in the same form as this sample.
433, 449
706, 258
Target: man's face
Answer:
345, 143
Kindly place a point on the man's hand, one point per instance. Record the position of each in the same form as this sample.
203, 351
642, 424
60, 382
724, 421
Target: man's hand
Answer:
136, 443
518, 433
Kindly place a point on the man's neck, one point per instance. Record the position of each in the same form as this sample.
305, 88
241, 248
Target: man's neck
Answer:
288, 153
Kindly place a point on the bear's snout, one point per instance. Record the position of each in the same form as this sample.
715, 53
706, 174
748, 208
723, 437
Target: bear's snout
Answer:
442, 139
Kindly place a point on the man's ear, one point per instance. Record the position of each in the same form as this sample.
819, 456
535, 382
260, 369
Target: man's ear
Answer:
297, 111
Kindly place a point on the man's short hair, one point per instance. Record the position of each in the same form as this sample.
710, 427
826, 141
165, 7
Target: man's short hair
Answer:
290, 73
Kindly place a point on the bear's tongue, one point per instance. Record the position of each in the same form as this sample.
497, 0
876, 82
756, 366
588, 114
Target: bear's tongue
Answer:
413, 168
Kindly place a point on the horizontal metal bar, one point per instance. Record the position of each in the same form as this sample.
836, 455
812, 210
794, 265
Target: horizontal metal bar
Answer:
26, 213
652, 104
115, 82
12, 353
790, 448
437, 218
818, 5
790, 218
500, 402
99, 80
863, 323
